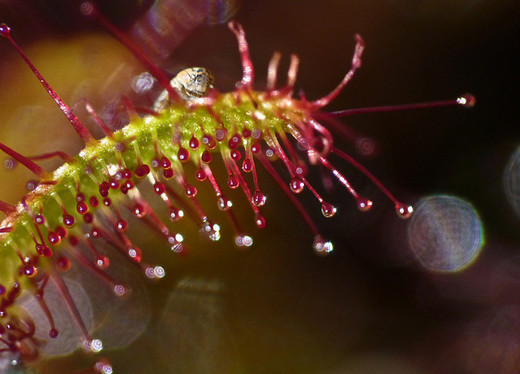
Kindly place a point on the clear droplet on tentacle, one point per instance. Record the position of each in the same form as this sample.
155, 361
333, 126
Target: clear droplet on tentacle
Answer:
328, 210
210, 230
224, 203
322, 246
243, 240
403, 210
364, 204
259, 198
296, 185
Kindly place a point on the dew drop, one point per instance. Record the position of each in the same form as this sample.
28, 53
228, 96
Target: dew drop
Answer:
128, 185
159, 188
88, 217
30, 271
246, 133
62, 232
301, 170
127, 174
114, 185
159, 272
175, 214
224, 203
183, 154
82, 208
102, 262
135, 254
256, 148
103, 190
209, 142
148, 272
178, 248
403, 211
296, 185
94, 345
259, 198
142, 170
39, 248
233, 182
234, 142
87, 9
243, 241
118, 176
47, 252
121, 225
53, 333
120, 290
103, 366
143, 83
155, 163
194, 143
68, 220
96, 233
247, 165
260, 221
321, 246
220, 134
168, 173
200, 175
165, 162
206, 157
467, 100
5, 30
190, 190
54, 238
236, 155
138, 210
39, 219
328, 210
31, 185
210, 230
94, 202
364, 204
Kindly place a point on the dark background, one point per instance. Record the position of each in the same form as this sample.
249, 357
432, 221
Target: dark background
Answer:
369, 307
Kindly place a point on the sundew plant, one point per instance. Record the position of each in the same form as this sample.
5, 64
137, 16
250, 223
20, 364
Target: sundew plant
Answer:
187, 225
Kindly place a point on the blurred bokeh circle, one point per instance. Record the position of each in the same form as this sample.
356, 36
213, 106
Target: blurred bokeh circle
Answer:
445, 233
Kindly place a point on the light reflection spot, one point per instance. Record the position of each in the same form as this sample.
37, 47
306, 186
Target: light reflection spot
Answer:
445, 233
